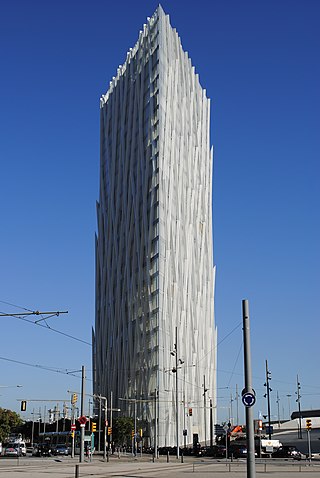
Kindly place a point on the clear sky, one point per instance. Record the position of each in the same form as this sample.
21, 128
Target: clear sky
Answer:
259, 61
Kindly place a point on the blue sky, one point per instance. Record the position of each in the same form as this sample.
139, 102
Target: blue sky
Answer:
259, 61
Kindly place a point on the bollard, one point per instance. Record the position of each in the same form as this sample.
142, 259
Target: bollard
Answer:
229, 467
77, 471
107, 456
153, 457
181, 457
167, 457
265, 467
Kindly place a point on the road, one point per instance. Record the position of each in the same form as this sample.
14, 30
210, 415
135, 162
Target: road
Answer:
128, 466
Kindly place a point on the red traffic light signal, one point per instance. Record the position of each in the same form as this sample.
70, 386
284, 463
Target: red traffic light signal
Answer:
190, 412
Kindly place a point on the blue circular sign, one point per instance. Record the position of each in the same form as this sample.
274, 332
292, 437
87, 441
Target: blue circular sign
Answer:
248, 399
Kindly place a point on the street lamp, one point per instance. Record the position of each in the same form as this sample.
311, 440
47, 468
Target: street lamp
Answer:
267, 395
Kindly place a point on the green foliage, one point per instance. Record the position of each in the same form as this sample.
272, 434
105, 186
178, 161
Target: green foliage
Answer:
122, 430
8, 420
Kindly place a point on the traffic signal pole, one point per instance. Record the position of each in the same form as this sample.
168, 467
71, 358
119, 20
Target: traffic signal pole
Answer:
82, 426
248, 390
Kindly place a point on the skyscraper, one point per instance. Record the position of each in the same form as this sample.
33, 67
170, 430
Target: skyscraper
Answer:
155, 336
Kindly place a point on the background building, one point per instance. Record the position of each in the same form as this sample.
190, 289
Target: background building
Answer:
154, 324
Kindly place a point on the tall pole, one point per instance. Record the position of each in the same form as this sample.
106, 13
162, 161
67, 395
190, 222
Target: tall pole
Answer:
99, 425
251, 465
135, 427
177, 395
32, 430
73, 421
278, 401
105, 428
211, 424
268, 398
237, 398
155, 424
83, 392
299, 407
111, 405
205, 410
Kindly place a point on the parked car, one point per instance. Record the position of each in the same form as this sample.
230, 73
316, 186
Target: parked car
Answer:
43, 449
60, 450
287, 452
12, 450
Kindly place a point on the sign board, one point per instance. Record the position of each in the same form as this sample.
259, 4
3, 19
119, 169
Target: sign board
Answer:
248, 399
73, 427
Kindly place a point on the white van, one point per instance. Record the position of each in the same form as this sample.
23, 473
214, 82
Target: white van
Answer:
22, 446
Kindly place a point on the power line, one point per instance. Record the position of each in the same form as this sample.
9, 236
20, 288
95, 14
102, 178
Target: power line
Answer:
43, 367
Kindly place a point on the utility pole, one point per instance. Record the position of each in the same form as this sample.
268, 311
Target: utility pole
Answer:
211, 424
248, 397
278, 401
267, 395
299, 407
205, 410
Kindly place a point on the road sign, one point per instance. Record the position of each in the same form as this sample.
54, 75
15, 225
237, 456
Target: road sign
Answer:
73, 427
248, 399
82, 420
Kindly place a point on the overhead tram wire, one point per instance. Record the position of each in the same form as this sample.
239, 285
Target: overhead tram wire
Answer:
219, 343
42, 367
29, 312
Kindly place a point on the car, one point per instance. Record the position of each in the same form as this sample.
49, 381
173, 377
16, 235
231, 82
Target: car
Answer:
12, 450
60, 450
287, 452
237, 451
43, 449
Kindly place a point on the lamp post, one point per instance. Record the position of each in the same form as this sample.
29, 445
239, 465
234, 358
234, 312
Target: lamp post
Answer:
267, 395
299, 407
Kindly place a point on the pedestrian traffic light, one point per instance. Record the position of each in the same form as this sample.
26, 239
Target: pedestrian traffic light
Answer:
308, 424
190, 412
23, 405
93, 427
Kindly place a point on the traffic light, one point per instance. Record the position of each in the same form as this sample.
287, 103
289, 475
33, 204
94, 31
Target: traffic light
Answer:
109, 431
23, 405
132, 434
74, 398
190, 412
93, 427
308, 424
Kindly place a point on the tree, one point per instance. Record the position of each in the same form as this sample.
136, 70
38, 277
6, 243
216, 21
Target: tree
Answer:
8, 420
122, 430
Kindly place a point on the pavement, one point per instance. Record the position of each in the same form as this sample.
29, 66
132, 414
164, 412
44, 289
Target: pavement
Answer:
130, 467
